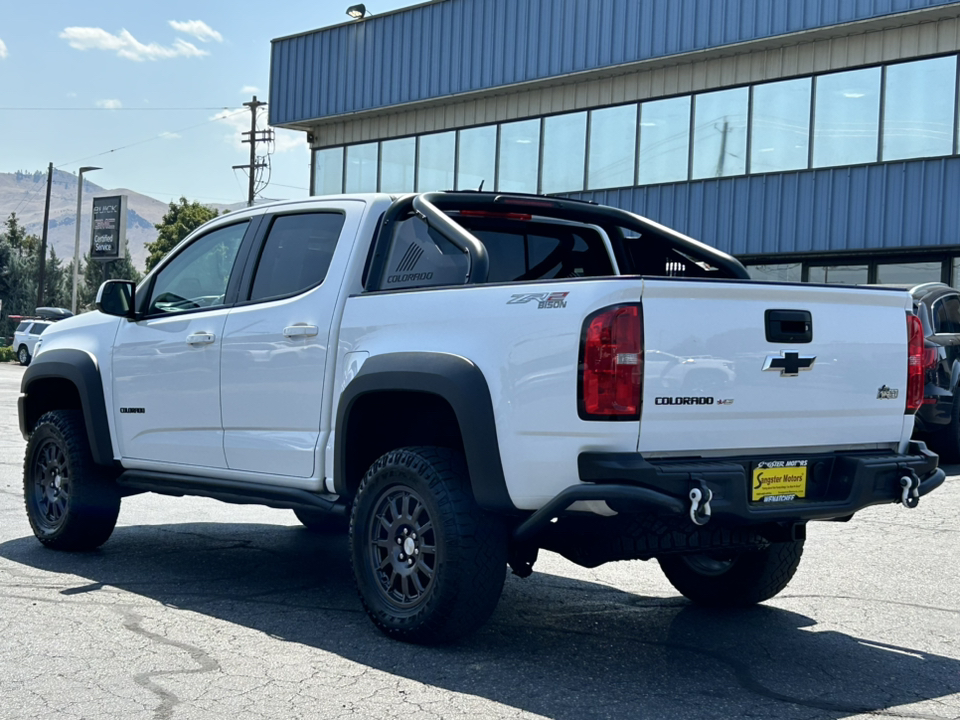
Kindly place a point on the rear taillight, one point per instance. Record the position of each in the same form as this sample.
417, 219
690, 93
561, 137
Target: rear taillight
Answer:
611, 364
915, 364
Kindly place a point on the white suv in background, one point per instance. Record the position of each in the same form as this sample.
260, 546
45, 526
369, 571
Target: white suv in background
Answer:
26, 337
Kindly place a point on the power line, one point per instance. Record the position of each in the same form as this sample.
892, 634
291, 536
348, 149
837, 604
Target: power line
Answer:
117, 109
151, 139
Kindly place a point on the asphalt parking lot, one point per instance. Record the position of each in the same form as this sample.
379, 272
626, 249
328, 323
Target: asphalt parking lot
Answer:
197, 609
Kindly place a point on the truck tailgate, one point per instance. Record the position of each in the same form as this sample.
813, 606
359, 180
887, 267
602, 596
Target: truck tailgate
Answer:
718, 380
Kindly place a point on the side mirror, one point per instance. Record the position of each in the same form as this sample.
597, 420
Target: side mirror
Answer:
115, 297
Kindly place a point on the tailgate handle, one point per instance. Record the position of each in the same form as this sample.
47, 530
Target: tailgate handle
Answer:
788, 326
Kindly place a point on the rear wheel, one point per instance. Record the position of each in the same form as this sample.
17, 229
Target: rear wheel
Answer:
23, 355
733, 579
429, 563
71, 503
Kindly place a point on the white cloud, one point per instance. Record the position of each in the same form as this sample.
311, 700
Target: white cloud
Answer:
169, 135
109, 104
71, 94
126, 45
249, 89
3, 50
198, 29
287, 140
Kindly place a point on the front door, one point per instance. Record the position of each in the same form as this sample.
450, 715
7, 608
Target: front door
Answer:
166, 366
275, 345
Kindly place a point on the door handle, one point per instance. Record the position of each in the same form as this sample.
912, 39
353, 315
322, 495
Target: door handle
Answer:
295, 331
200, 339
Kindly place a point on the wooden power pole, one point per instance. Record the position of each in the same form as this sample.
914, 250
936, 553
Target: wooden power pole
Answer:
253, 137
43, 240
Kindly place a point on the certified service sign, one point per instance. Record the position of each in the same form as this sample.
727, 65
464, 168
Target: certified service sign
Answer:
109, 234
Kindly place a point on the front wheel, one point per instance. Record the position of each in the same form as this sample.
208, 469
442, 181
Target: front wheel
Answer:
429, 563
71, 504
734, 579
23, 355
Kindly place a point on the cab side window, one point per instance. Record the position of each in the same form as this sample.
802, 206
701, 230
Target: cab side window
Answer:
197, 277
38, 328
947, 315
296, 254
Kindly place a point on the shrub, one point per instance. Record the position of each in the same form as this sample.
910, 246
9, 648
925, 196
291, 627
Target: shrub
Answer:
7, 354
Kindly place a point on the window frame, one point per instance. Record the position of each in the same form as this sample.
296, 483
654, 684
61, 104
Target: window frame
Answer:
245, 285
144, 291
933, 311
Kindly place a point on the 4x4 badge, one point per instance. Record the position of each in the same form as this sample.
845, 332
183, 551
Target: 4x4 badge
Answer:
789, 363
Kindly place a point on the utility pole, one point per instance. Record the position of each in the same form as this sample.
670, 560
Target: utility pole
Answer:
253, 137
43, 241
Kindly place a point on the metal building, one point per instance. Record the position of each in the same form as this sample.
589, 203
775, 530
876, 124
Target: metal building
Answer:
814, 139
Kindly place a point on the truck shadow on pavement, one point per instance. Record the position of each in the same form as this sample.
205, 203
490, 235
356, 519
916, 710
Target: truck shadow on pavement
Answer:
556, 647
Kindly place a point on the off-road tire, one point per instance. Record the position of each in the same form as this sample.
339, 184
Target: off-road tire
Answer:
735, 579
322, 522
71, 503
23, 355
425, 489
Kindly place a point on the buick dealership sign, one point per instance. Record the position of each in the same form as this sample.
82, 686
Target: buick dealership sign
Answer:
109, 234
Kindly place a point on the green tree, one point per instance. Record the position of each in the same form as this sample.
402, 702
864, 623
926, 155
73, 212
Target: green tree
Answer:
181, 219
18, 273
92, 276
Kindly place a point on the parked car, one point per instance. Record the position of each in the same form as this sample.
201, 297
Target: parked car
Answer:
25, 338
938, 420
28, 332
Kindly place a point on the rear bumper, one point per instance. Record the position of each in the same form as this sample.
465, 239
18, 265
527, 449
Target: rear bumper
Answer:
839, 485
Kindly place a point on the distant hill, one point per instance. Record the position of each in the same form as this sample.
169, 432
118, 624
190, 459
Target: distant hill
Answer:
24, 194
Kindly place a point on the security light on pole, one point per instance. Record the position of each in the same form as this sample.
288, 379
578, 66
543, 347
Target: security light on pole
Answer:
76, 246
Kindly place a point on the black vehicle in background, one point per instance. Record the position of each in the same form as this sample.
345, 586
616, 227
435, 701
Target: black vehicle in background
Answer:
938, 420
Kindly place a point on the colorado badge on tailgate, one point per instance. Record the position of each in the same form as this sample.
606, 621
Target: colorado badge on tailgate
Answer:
779, 481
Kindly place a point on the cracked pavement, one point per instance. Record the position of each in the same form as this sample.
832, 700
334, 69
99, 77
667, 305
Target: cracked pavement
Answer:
198, 609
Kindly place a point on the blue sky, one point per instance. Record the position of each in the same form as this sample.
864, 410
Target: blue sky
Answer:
81, 79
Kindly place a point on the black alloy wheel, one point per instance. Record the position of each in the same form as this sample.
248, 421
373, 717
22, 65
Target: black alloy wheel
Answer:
429, 563
51, 485
403, 547
71, 503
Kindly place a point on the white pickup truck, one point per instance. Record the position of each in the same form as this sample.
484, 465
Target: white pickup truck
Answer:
461, 379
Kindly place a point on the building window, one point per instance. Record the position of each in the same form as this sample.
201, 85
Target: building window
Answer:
564, 152
477, 161
435, 166
918, 108
784, 272
912, 273
780, 126
362, 168
519, 156
328, 171
664, 151
720, 133
612, 147
398, 159
846, 118
838, 274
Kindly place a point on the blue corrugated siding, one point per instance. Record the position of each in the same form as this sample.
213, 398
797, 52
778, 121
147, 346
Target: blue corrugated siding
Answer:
463, 45
869, 207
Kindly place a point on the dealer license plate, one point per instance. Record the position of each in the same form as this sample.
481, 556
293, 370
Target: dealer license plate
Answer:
779, 481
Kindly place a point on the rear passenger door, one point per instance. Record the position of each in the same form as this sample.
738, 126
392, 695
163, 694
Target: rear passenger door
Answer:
276, 342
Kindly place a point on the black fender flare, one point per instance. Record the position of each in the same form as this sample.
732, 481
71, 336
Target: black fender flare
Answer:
81, 370
463, 386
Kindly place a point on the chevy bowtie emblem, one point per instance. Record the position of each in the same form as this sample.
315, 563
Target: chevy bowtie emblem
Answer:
789, 363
